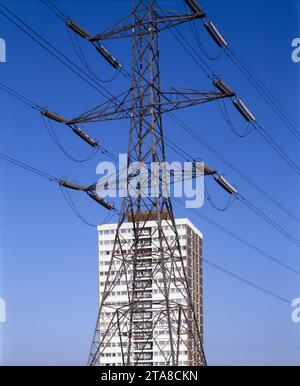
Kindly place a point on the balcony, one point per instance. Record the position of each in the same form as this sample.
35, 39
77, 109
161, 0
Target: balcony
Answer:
143, 284
142, 316
143, 326
143, 346
144, 357
141, 252
144, 263
142, 337
141, 295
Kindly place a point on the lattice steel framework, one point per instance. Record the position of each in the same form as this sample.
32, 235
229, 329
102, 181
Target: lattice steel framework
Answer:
134, 320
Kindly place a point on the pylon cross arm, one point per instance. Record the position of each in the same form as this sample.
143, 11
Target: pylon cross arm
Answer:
164, 20
171, 99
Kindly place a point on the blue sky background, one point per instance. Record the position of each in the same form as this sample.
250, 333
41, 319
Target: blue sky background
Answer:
49, 258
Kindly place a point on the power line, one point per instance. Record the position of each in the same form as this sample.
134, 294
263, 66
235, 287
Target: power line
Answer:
200, 45
108, 218
240, 239
250, 206
247, 179
212, 75
245, 281
264, 134
267, 219
268, 97
57, 53
20, 97
172, 115
273, 222
36, 107
51, 178
260, 87
29, 168
51, 132
195, 56
77, 48
232, 167
224, 112
75, 210
55, 139
267, 137
228, 205
259, 129
53, 8
247, 203
73, 207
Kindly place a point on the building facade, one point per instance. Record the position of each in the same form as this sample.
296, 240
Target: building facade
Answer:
151, 342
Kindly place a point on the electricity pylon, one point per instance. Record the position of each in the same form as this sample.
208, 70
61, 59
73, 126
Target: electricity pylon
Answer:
140, 265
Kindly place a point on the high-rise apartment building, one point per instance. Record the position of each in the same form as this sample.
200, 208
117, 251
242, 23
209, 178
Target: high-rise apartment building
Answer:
150, 333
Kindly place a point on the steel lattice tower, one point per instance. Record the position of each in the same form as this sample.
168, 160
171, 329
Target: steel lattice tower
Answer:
146, 145
134, 321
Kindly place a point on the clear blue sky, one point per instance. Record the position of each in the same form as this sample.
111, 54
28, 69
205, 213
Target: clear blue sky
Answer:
49, 258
